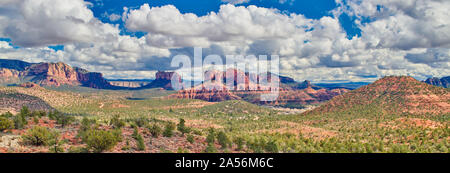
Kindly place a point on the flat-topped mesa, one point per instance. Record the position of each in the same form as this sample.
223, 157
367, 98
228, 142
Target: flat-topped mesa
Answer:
163, 80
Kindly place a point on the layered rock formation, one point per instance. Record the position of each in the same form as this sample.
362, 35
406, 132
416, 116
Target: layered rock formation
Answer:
244, 86
163, 80
51, 74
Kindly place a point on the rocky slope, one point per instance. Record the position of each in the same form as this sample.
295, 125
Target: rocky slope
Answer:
50, 74
13, 101
391, 95
443, 82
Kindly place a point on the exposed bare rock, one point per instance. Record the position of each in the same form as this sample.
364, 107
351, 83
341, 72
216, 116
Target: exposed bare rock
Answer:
29, 85
245, 86
50, 74
9, 75
163, 80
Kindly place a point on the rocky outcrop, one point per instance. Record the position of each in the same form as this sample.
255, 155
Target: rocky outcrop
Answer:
9, 75
163, 80
50, 74
443, 82
245, 86
29, 85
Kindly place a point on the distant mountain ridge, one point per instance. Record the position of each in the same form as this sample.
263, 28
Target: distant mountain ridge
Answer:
442, 82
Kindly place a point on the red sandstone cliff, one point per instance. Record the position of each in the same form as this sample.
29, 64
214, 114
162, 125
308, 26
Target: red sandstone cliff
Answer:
54, 74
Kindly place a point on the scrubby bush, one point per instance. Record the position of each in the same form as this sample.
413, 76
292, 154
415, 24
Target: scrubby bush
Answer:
87, 123
39, 135
240, 143
141, 121
116, 122
168, 130
155, 130
223, 139
140, 142
210, 149
5, 124
100, 140
139, 139
38, 114
25, 112
190, 138
211, 136
182, 127
65, 120
7, 115
271, 147
60, 118
19, 121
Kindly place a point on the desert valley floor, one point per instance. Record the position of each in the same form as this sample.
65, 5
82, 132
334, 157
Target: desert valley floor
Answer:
374, 118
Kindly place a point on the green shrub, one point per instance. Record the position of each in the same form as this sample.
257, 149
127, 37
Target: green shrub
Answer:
182, 127
211, 136
64, 120
240, 143
140, 142
5, 124
19, 121
87, 123
168, 130
155, 130
223, 139
190, 138
117, 134
116, 122
39, 135
271, 147
141, 121
60, 118
210, 149
25, 112
100, 140
38, 114
7, 115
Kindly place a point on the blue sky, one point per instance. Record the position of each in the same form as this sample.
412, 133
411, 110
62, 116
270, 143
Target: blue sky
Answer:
320, 40
311, 9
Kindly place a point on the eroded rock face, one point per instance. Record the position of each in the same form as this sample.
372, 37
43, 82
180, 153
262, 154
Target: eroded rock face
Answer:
163, 80
244, 86
52, 74
9, 75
